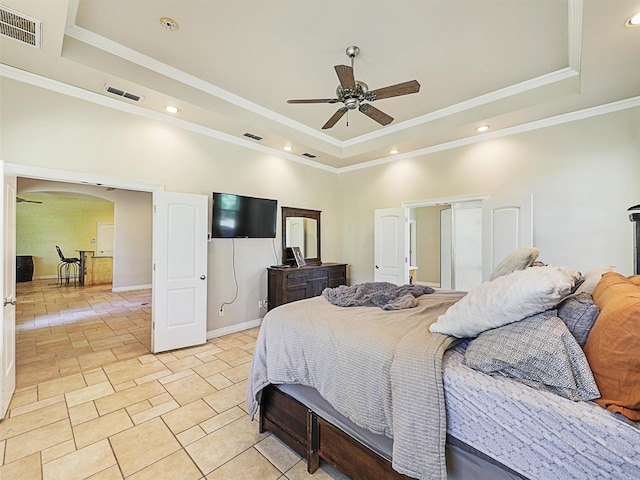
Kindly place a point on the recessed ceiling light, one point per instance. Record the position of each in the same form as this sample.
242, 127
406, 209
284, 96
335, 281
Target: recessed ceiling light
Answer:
633, 21
287, 148
169, 23
483, 128
393, 151
171, 109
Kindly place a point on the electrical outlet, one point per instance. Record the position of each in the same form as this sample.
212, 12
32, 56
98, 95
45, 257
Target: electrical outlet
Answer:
221, 312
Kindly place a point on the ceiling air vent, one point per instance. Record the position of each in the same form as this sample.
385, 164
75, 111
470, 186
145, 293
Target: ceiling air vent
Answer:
20, 27
310, 155
123, 93
252, 136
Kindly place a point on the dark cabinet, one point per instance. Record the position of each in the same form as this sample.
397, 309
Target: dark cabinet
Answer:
290, 284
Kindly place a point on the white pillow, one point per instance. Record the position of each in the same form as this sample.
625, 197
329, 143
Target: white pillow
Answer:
506, 299
592, 277
518, 259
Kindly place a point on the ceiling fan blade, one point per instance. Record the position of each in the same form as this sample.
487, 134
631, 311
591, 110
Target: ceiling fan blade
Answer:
345, 75
375, 114
315, 100
405, 88
19, 199
334, 119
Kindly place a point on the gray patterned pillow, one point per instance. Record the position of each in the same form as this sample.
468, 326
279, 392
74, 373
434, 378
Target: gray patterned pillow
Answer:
538, 351
579, 313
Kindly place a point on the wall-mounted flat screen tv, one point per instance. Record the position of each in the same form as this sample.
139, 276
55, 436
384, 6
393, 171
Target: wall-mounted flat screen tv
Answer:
237, 216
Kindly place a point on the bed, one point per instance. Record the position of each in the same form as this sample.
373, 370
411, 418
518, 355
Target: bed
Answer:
383, 394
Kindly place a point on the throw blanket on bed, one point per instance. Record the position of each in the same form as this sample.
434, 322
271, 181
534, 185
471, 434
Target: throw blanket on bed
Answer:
381, 369
376, 294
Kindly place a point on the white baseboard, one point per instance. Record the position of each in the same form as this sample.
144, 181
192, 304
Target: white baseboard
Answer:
130, 288
429, 284
219, 332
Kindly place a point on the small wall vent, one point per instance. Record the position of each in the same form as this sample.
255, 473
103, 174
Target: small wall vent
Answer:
20, 27
123, 93
309, 155
252, 136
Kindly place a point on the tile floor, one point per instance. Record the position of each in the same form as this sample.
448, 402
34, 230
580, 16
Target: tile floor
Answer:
92, 402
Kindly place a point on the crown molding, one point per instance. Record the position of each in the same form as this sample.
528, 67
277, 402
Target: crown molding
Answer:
168, 71
574, 29
632, 102
79, 93
92, 97
518, 88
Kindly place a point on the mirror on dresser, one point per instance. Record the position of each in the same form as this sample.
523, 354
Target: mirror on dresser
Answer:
301, 228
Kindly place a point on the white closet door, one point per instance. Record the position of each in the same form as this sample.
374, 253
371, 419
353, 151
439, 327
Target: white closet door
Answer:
446, 249
467, 247
507, 224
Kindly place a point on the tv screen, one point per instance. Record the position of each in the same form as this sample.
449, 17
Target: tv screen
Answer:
237, 216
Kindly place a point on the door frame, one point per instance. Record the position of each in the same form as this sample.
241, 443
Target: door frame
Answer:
55, 175
434, 202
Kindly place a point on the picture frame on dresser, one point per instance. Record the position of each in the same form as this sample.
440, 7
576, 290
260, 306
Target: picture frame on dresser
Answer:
297, 254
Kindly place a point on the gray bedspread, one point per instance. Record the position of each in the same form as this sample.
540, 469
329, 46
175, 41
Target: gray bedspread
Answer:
385, 295
381, 369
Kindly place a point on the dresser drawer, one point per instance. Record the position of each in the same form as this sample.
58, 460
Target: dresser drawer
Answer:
320, 274
297, 278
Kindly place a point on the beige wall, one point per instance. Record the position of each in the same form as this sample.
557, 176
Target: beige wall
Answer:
428, 243
583, 175
49, 130
131, 213
70, 223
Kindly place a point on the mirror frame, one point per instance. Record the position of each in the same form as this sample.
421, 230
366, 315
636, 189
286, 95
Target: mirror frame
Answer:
300, 212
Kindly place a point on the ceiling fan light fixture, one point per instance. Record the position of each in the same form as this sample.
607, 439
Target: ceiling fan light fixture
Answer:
352, 103
633, 21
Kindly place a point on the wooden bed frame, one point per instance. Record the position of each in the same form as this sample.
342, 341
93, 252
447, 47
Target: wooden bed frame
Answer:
314, 438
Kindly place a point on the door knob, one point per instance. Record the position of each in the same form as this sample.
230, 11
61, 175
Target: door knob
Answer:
202, 277
377, 266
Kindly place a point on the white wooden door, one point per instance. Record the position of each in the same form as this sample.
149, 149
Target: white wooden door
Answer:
105, 239
507, 224
467, 246
446, 248
8, 279
391, 246
180, 271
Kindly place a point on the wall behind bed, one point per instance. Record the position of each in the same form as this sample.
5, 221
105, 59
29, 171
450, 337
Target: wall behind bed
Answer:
583, 175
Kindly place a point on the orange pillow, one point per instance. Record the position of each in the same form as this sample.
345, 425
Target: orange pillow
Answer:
635, 279
613, 346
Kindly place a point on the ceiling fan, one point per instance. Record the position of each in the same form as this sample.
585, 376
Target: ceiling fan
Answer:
19, 199
354, 94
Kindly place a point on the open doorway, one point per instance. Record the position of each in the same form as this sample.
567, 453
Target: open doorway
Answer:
445, 245
49, 220
66, 328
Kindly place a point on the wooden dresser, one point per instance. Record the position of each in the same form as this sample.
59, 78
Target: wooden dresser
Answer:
296, 283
